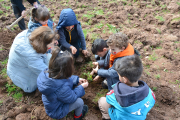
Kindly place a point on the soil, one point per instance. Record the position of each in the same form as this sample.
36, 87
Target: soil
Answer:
152, 28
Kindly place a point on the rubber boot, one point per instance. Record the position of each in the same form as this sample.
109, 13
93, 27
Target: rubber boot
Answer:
84, 111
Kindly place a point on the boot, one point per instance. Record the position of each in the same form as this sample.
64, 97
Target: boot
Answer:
104, 84
84, 111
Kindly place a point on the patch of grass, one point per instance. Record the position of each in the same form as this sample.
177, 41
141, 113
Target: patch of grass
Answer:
87, 76
148, 73
1, 12
158, 30
112, 29
99, 12
4, 62
160, 18
176, 19
178, 3
154, 88
157, 76
159, 47
100, 94
89, 16
12, 88
1, 101
147, 66
3, 73
85, 31
165, 70
100, 25
153, 57
178, 49
177, 82
17, 96
163, 6
137, 42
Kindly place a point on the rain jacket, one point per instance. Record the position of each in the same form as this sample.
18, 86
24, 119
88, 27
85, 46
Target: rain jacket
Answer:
24, 63
57, 94
32, 25
130, 103
68, 38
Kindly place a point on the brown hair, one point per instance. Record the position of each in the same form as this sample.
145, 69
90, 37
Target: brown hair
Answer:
119, 40
61, 65
41, 13
40, 38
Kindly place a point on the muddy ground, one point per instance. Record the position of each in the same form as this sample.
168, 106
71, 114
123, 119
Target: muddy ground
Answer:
153, 28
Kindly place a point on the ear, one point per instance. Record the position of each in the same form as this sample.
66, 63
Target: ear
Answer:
125, 80
104, 49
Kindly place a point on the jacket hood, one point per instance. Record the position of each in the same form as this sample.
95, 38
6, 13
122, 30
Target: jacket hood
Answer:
127, 95
32, 25
67, 18
45, 84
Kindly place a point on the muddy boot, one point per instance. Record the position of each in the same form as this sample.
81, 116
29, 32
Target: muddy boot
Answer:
84, 111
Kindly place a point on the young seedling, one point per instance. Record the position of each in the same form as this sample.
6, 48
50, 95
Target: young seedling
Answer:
157, 76
154, 88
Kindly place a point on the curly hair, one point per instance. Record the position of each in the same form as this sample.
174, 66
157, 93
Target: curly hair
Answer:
118, 39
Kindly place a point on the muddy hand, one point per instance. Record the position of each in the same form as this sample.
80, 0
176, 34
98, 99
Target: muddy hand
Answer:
96, 78
82, 80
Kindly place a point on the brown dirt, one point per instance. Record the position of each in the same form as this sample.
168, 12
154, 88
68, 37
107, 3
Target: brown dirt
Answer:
152, 28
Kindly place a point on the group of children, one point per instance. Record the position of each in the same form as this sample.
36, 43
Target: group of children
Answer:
117, 62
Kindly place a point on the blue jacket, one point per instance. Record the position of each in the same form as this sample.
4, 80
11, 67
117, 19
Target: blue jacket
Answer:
130, 103
104, 61
24, 63
32, 25
57, 94
68, 18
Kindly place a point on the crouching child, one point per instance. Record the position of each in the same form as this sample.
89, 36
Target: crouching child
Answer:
130, 98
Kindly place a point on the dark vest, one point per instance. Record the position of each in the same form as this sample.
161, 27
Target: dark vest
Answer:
71, 35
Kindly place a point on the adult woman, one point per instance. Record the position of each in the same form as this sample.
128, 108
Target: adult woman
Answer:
27, 57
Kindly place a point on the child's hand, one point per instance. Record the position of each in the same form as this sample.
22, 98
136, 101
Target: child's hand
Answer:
81, 80
96, 78
92, 72
73, 49
23, 13
85, 84
95, 63
96, 69
85, 52
56, 42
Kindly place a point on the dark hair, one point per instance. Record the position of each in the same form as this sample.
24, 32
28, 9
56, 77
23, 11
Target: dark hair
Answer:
61, 65
119, 40
129, 67
98, 46
40, 38
41, 13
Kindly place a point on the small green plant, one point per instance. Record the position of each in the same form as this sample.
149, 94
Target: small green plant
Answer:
163, 6
100, 25
176, 19
160, 18
87, 76
158, 47
112, 28
178, 49
156, 104
85, 31
17, 96
165, 70
3, 73
99, 12
157, 76
1, 101
100, 94
89, 16
158, 30
153, 57
178, 3
154, 88
147, 72
4, 62
90, 64
1, 12
137, 42
12, 88
147, 66
177, 82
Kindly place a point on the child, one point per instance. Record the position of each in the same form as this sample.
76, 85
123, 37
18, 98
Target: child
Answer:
58, 87
102, 54
131, 98
40, 17
119, 46
71, 34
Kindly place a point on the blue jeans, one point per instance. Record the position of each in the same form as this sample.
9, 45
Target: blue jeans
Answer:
77, 106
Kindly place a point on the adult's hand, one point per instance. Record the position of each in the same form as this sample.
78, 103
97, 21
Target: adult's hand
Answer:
35, 4
73, 49
23, 13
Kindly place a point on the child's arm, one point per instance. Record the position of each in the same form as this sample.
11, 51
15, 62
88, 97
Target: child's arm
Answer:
81, 36
107, 73
66, 95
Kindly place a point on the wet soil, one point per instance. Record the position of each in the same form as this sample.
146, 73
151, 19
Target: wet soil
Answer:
152, 28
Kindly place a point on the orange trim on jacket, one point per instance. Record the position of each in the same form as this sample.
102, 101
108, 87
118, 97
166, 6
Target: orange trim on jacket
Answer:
45, 25
128, 51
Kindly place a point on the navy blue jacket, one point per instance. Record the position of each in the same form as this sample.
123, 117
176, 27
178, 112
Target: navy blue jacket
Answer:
104, 61
57, 94
68, 18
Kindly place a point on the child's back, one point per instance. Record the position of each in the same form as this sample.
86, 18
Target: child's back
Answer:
58, 87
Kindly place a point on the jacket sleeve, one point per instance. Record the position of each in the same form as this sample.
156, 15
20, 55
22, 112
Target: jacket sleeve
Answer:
101, 63
81, 36
107, 73
62, 39
36, 64
67, 95
75, 80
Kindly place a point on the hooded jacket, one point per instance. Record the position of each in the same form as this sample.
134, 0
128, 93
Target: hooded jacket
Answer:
68, 38
57, 94
24, 63
32, 25
130, 103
